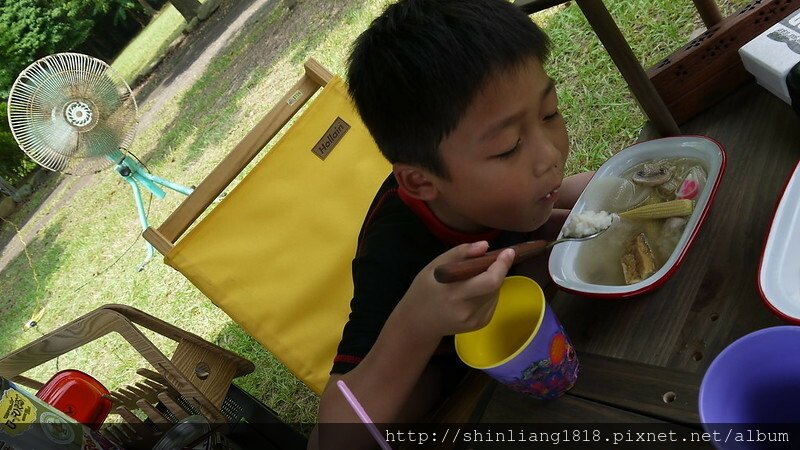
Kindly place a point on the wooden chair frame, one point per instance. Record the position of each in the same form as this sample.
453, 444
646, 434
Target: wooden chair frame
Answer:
165, 236
199, 373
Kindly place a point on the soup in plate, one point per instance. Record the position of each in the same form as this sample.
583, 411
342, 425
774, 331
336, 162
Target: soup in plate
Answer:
653, 200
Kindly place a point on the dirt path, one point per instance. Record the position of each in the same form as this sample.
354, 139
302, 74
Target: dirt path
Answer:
179, 70
187, 63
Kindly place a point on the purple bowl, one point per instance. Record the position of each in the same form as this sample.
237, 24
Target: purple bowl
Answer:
755, 380
751, 392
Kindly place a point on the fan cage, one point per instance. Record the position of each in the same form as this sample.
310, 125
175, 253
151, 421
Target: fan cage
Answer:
72, 113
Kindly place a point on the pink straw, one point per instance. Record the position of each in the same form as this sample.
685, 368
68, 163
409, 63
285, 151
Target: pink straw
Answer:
348, 395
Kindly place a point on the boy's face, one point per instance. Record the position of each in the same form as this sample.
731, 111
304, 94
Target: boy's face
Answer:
505, 159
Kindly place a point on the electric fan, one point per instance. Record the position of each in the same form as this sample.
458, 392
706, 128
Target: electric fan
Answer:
73, 113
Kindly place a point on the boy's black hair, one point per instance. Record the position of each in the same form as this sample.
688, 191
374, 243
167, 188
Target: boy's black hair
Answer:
415, 70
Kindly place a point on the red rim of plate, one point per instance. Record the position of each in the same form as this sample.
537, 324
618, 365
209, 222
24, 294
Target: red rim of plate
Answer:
764, 299
661, 280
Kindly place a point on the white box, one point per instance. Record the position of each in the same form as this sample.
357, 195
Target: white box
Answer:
773, 54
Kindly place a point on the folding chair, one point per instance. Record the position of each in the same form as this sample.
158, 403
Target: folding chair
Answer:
275, 254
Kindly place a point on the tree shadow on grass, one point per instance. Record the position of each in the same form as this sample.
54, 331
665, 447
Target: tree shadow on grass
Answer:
271, 382
27, 209
205, 110
25, 290
193, 45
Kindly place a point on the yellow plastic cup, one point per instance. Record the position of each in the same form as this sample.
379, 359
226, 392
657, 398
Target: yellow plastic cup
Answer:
523, 346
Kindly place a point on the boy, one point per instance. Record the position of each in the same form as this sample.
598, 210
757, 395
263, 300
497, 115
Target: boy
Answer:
455, 95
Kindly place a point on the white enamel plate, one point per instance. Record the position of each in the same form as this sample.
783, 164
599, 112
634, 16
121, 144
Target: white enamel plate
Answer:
779, 270
563, 259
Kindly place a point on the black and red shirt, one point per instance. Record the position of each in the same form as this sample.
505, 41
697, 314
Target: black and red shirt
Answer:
399, 237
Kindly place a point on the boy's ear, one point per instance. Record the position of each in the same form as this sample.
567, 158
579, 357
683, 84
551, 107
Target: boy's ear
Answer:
416, 181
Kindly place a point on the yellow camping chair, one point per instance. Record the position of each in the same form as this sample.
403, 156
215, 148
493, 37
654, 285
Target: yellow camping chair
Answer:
275, 254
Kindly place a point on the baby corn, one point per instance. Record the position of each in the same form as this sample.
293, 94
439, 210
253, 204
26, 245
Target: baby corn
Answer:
673, 208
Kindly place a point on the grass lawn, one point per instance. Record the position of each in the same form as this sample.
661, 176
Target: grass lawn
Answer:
150, 44
86, 256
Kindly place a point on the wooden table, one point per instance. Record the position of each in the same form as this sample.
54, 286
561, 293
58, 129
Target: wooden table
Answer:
643, 358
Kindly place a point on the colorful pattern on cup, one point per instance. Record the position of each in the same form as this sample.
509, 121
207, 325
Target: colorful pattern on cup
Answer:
551, 377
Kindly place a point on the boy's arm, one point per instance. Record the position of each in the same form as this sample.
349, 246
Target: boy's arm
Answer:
389, 381
389, 384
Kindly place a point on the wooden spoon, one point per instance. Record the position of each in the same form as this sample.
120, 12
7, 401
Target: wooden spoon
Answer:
468, 268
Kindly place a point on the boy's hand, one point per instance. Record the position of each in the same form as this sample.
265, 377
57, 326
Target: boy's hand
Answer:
439, 309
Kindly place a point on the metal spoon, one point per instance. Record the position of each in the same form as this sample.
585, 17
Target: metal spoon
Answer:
468, 268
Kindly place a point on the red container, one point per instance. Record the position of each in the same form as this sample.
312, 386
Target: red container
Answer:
77, 395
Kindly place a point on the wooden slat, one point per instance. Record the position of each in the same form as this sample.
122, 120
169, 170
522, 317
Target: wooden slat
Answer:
152, 391
215, 386
28, 382
134, 392
507, 406
242, 365
161, 422
123, 399
154, 237
573, 421
152, 375
98, 323
64, 339
244, 152
654, 391
113, 432
708, 68
115, 399
149, 390
128, 433
150, 384
173, 406
609, 389
317, 72
128, 416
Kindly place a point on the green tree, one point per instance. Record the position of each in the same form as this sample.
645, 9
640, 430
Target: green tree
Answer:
14, 163
29, 30
32, 29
